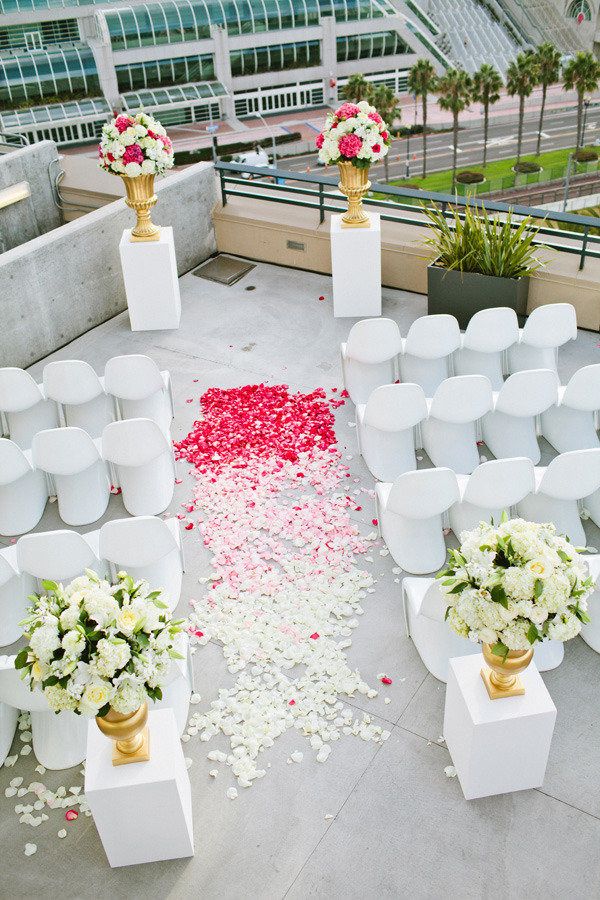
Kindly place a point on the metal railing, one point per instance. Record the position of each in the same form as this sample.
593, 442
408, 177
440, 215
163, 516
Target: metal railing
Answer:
318, 192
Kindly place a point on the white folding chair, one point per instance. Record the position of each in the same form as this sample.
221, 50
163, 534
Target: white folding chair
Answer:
26, 408
546, 329
493, 488
15, 588
427, 350
9, 716
58, 556
489, 333
510, 428
450, 430
558, 487
590, 631
79, 473
370, 357
143, 459
179, 684
385, 429
59, 740
146, 547
23, 490
141, 390
436, 643
570, 423
75, 386
410, 514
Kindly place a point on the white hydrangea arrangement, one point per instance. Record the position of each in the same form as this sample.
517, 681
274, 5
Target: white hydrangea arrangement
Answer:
354, 133
135, 145
93, 645
514, 584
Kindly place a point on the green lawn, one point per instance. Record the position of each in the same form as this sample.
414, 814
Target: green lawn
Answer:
499, 174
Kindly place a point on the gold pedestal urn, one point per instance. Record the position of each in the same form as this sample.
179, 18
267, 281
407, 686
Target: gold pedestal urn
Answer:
141, 198
130, 733
354, 184
502, 678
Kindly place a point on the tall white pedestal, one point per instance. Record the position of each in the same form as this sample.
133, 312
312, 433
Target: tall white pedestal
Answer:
151, 284
143, 811
356, 268
496, 746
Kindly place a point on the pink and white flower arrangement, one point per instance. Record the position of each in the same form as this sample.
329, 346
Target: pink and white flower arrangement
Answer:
354, 133
135, 145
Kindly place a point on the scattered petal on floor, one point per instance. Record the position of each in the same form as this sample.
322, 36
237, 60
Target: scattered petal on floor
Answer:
62, 833
30, 849
450, 772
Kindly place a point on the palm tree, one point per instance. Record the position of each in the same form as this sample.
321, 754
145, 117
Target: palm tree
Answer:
487, 82
384, 99
547, 65
357, 88
581, 74
521, 79
422, 80
454, 94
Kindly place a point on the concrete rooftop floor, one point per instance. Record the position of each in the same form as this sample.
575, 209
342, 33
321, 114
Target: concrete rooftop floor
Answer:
400, 827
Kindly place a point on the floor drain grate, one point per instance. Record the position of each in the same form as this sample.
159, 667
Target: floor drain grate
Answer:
224, 269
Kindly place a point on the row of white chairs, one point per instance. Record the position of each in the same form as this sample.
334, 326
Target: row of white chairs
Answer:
412, 510
434, 348
146, 547
425, 611
77, 468
71, 393
397, 418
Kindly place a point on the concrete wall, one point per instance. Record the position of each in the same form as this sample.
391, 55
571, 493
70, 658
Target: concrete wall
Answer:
263, 231
38, 214
60, 285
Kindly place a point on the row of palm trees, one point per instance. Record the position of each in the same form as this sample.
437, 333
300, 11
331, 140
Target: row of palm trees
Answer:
456, 90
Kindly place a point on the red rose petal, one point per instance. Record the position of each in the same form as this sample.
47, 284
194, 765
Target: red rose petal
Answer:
189, 526
386, 680
314, 636
375, 521
71, 815
292, 703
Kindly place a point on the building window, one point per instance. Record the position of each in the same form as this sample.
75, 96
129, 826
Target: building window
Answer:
165, 71
36, 36
366, 46
43, 74
275, 58
579, 8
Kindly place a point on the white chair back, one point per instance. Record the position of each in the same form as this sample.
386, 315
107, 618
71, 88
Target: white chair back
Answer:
431, 337
434, 604
15, 588
374, 340
132, 377
572, 475
528, 393
15, 692
550, 325
491, 330
56, 555
137, 542
13, 462
500, 483
583, 389
423, 494
18, 390
394, 407
71, 381
64, 451
133, 442
462, 398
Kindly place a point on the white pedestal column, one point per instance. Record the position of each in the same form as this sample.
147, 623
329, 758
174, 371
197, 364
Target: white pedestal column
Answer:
497, 746
356, 268
151, 284
143, 811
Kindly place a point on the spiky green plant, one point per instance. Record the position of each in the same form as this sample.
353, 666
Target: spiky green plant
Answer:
471, 241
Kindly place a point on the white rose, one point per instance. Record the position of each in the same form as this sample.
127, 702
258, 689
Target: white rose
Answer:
133, 169
148, 167
73, 642
96, 695
44, 641
127, 620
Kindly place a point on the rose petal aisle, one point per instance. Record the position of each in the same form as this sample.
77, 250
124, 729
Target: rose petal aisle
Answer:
285, 594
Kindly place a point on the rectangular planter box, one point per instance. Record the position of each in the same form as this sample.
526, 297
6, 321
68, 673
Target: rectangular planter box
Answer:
462, 294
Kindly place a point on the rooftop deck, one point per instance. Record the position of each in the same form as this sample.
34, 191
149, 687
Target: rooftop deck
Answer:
400, 826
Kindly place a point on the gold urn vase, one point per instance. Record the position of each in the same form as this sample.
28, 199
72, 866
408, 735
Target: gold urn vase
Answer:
502, 677
354, 184
141, 198
130, 733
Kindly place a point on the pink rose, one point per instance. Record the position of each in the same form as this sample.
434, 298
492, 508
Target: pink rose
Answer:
350, 145
122, 123
384, 135
319, 141
347, 110
375, 117
376, 148
133, 154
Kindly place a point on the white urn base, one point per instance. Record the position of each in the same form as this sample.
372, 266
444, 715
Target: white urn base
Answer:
356, 268
151, 283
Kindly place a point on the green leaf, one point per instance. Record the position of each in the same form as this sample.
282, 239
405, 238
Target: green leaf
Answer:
49, 585
538, 588
50, 681
174, 655
459, 587
159, 603
103, 710
500, 649
533, 634
21, 658
447, 613
498, 595
564, 556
